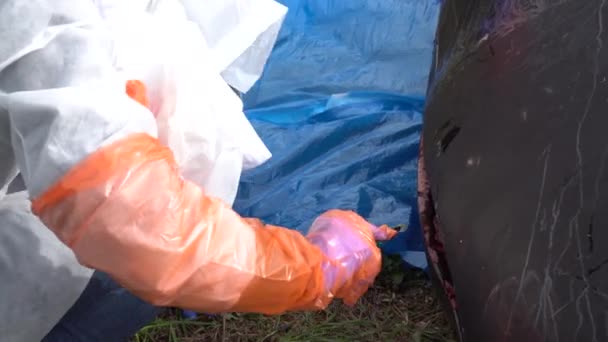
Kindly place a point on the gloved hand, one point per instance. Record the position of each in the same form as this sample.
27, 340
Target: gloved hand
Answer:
352, 258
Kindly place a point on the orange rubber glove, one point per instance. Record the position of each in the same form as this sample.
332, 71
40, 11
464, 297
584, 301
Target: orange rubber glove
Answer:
125, 210
136, 90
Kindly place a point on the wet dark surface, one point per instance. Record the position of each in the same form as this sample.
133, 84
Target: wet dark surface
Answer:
517, 143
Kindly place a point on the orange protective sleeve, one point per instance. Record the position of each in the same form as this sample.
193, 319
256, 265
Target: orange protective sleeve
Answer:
126, 211
136, 90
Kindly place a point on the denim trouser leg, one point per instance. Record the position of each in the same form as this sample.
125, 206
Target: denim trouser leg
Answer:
104, 312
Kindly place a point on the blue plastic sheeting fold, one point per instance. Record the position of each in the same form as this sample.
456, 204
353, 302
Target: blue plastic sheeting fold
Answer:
339, 105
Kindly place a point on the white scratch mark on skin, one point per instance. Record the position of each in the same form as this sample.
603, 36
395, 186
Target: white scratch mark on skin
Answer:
482, 40
564, 251
552, 317
522, 277
546, 307
579, 154
556, 210
581, 122
579, 312
561, 308
541, 302
564, 306
599, 176
542, 226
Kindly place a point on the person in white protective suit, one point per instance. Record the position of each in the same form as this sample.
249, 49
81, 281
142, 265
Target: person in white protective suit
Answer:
119, 118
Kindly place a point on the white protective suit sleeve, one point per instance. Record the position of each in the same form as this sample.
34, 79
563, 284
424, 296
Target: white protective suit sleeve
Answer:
58, 103
41, 278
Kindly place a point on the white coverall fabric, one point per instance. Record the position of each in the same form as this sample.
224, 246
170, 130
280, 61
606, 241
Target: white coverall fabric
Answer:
40, 276
62, 96
181, 53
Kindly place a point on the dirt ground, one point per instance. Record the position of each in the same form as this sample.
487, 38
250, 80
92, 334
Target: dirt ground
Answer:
402, 306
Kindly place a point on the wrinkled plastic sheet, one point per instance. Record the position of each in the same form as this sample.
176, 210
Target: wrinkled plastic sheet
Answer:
340, 107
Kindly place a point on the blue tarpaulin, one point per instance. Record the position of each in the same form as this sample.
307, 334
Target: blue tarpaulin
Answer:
340, 107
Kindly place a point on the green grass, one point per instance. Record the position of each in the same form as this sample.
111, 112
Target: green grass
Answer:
400, 307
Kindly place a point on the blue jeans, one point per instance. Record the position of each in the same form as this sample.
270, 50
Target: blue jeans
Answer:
104, 312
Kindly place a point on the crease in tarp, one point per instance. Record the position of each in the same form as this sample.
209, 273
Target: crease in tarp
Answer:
340, 107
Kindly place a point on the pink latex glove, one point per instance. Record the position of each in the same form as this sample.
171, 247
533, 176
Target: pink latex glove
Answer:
349, 243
